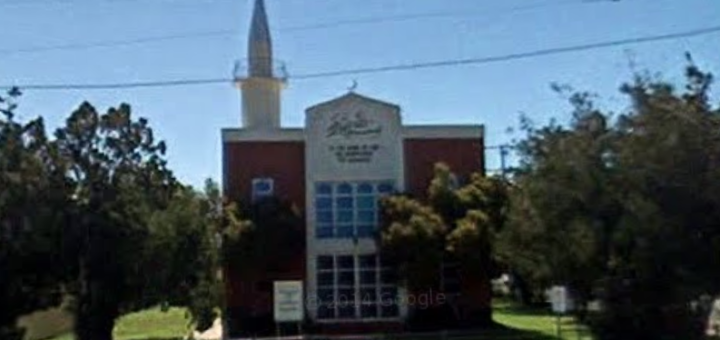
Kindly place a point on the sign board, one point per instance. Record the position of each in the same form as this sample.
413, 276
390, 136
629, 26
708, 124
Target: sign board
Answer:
560, 299
352, 137
288, 301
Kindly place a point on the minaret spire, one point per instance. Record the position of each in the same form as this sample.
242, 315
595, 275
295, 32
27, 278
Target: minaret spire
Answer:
259, 82
260, 43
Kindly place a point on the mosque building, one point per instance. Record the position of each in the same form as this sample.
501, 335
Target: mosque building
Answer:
351, 151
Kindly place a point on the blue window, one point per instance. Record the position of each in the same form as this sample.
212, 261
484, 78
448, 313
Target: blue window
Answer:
366, 202
345, 188
263, 185
368, 261
323, 189
325, 262
346, 262
324, 232
367, 217
262, 188
323, 203
365, 188
366, 231
325, 310
345, 232
344, 202
368, 277
346, 278
324, 279
350, 287
327, 294
386, 188
348, 209
345, 216
324, 217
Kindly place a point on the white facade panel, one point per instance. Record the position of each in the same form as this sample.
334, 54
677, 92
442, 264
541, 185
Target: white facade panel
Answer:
348, 140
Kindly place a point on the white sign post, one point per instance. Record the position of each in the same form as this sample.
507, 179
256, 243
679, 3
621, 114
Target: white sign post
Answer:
561, 304
559, 299
288, 302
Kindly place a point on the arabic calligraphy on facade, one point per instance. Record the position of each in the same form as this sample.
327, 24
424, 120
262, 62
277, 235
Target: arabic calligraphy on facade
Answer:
355, 153
352, 125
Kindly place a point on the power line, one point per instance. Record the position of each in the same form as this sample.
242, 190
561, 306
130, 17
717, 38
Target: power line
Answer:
515, 56
309, 27
6, 3
115, 86
82, 46
382, 69
428, 15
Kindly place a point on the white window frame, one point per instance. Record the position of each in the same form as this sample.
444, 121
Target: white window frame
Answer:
356, 222
378, 286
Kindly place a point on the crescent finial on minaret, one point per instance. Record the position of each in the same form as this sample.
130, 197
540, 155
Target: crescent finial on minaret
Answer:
354, 86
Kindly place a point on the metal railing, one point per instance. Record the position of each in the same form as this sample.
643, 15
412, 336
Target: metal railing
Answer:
271, 68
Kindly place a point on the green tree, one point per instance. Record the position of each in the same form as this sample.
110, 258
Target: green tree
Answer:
262, 242
565, 202
458, 224
667, 240
248, 233
182, 252
475, 213
32, 201
626, 211
138, 238
412, 240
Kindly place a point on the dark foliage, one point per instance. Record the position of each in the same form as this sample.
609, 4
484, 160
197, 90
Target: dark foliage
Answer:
625, 209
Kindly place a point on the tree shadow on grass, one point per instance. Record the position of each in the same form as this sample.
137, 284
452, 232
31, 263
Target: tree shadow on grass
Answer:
494, 332
502, 332
513, 309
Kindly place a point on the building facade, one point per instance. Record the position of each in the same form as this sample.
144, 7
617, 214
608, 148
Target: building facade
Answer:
351, 151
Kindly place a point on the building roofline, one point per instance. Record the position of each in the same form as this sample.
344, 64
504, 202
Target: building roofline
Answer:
469, 131
257, 135
352, 95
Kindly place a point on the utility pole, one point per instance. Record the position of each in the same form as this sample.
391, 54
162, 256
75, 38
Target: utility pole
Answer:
503, 155
504, 152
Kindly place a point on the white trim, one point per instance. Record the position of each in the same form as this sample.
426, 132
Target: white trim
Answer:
377, 286
443, 131
350, 97
264, 135
408, 132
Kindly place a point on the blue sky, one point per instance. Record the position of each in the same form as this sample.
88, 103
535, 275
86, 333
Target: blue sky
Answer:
190, 118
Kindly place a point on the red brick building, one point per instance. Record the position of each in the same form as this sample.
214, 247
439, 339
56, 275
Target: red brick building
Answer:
351, 151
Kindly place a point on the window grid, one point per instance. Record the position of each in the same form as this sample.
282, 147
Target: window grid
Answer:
360, 291
348, 210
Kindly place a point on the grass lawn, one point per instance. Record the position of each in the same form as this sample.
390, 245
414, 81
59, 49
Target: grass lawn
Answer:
538, 321
151, 324
515, 323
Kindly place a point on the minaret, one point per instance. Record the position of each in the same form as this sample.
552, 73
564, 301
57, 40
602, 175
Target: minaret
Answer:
259, 83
